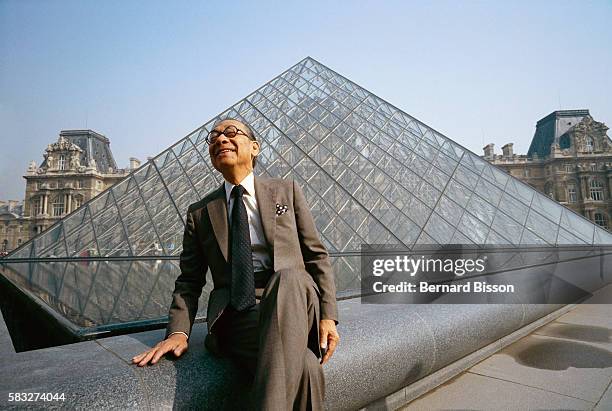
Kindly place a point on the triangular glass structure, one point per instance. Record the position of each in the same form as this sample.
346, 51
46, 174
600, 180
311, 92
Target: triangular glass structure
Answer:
371, 173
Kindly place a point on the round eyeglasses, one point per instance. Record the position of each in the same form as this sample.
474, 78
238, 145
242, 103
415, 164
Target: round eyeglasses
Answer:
229, 132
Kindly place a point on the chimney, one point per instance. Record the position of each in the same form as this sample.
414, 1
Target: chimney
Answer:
134, 163
507, 150
489, 151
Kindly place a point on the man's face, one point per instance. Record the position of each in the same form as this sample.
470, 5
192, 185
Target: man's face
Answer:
237, 152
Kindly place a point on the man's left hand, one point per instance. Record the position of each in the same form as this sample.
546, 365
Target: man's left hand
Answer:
328, 338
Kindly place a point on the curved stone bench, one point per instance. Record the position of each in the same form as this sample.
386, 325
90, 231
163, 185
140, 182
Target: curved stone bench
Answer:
383, 349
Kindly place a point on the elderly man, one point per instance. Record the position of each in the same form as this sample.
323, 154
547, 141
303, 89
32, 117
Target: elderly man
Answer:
273, 306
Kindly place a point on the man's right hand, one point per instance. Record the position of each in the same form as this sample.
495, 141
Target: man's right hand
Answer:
177, 343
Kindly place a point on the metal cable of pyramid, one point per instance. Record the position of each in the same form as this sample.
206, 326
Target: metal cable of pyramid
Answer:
371, 173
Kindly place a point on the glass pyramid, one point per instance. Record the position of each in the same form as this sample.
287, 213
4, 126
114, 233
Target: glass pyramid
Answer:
372, 174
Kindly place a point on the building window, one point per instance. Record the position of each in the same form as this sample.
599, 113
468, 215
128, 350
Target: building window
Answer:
58, 205
569, 167
588, 144
4, 245
61, 164
600, 219
564, 142
571, 193
596, 189
77, 202
526, 172
549, 190
19, 242
36, 207
593, 167
79, 184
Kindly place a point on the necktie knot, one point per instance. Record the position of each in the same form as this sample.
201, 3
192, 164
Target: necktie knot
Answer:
238, 191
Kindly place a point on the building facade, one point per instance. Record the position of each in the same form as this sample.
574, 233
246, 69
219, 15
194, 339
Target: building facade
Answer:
569, 159
13, 227
76, 168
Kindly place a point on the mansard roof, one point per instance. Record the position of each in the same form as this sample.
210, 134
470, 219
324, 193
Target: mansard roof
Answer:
94, 146
550, 128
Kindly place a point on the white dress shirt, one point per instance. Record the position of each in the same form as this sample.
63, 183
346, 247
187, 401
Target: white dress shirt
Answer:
259, 247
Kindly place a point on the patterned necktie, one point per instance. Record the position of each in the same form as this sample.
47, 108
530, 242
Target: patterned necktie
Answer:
243, 282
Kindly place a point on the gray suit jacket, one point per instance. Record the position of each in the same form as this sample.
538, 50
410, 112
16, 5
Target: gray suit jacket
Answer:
292, 240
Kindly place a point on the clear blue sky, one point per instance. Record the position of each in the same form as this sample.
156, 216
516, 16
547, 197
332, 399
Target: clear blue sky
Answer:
145, 73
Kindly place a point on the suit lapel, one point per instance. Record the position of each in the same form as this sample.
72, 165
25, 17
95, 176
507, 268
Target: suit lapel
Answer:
266, 200
217, 211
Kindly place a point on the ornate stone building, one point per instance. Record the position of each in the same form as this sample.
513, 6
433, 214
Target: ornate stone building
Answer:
76, 168
569, 159
13, 227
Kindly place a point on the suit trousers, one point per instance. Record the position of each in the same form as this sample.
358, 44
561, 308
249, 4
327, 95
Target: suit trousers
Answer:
272, 339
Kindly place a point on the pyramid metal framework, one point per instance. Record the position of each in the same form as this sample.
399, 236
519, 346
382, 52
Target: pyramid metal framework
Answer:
371, 174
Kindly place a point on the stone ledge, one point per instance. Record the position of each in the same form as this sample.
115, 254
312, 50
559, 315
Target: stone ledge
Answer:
384, 348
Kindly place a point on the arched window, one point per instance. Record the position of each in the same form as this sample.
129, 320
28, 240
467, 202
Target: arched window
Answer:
58, 205
588, 144
549, 190
596, 190
600, 219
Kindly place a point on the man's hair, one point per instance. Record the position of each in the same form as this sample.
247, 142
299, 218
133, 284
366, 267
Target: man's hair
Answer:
247, 130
